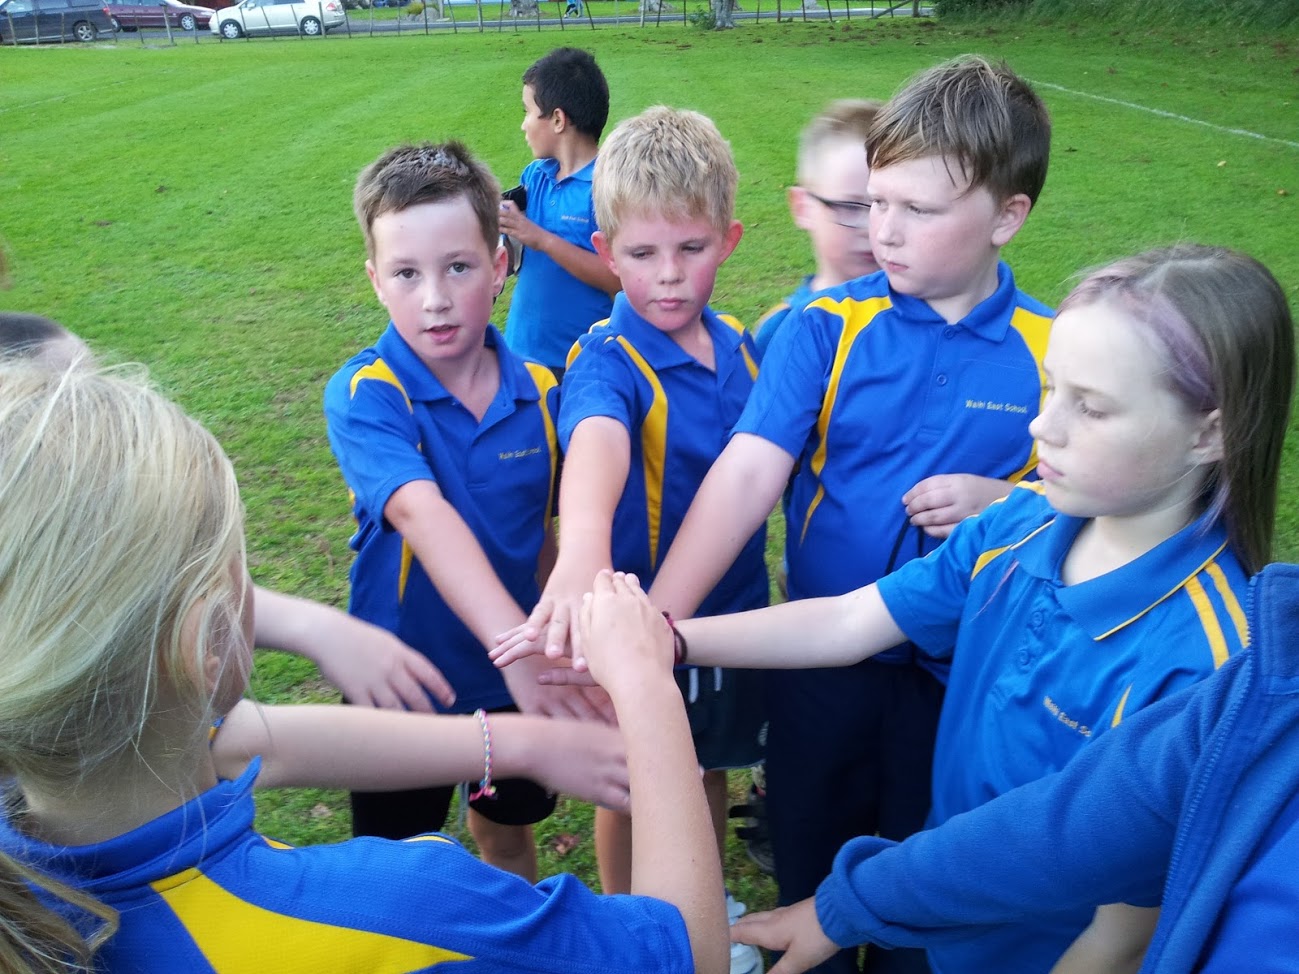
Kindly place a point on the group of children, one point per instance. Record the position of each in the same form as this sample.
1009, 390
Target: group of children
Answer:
1007, 533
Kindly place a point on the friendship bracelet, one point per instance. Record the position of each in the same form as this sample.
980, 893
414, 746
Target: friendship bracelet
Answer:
679, 647
485, 787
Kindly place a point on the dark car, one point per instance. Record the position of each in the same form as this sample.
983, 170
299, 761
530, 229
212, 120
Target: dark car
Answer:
44, 21
134, 14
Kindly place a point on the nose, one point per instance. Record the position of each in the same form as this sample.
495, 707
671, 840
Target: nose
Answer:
670, 269
1046, 425
882, 226
435, 296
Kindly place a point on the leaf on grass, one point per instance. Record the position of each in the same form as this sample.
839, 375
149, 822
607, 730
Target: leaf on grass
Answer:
564, 843
1221, 163
321, 810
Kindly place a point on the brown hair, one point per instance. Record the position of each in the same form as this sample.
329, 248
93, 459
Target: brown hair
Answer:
409, 175
978, 115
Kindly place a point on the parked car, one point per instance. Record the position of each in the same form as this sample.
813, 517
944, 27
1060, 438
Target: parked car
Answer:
44, 21
308, 17
134, 14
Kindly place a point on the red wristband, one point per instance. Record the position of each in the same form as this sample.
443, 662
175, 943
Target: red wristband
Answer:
679, 648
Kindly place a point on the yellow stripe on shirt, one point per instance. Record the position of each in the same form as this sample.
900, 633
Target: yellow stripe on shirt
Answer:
545, 381
1229, 600
856, 315
1034, 329
653, 444
235, 935
1208, 620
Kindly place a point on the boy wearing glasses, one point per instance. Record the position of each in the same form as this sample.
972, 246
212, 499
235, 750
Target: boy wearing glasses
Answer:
829, 203
900, 403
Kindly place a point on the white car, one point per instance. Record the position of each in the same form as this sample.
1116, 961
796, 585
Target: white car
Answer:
306, 17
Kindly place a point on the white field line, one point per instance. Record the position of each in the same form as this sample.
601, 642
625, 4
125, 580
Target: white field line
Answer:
46, 101
1164, 114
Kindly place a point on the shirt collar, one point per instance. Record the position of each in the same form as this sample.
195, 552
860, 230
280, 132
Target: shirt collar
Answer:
1101, 606
421, 385
989, 319
177, 840
660, 351
583, 175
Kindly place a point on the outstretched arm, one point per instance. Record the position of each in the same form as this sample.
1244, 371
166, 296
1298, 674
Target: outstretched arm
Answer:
741, 489
371, 666
459, 569
333, 746
674, 853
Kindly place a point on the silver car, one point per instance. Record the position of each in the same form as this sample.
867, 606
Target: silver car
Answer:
306, 17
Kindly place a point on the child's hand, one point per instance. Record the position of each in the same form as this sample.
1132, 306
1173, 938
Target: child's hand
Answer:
793, 929
373, 668
551, 628
519, 226
532, 696
623, 636
939, 503
586, 761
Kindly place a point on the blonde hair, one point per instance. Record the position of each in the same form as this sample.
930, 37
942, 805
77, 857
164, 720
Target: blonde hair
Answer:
120, 557
845, 120
668, 162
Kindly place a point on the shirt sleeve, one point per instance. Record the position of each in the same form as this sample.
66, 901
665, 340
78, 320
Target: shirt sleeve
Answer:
376, 440
927, 596
1099, 831
598, 383
791, 386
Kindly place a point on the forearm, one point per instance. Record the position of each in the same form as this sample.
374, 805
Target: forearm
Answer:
453, 560
804, 634
674, 852
287, 622
1114, 943
738, 493
583, 264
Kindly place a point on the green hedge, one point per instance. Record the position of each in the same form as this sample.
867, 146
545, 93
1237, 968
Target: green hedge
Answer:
1149, 13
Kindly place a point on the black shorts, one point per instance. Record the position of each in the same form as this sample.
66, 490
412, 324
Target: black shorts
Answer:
727, 715
401, 814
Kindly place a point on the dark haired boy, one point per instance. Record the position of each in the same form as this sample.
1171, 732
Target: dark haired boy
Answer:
563, 287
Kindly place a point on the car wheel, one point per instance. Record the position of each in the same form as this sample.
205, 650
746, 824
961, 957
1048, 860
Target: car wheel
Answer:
83, 30
310, 26
231, 30
117, 24
187, 22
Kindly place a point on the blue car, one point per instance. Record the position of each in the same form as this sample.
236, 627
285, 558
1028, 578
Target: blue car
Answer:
47, 21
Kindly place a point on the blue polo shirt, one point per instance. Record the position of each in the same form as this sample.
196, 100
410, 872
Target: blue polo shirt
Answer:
550, 307
679, 416
1039, 667
871, 391
773, 322
392, 422
197, 890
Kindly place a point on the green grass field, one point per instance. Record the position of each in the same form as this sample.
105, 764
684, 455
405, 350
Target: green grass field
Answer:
189, 207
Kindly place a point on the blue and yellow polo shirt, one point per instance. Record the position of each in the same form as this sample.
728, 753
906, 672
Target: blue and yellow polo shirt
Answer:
871, 392
1039, 668
773, 322
550, 307
679, 416
392, 422
197, 890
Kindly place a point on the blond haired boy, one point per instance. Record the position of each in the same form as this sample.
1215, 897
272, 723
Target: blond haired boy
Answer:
649, 398
829, 202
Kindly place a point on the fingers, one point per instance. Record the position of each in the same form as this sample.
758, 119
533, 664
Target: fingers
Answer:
426, 677
565, 676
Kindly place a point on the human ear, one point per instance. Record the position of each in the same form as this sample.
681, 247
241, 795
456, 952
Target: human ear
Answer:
798, 205
558, 120
374, 281
731, 238
1208, 446
500, 268
1014, 211
604, 247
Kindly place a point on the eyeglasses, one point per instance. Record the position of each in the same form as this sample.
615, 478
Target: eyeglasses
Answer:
846, 213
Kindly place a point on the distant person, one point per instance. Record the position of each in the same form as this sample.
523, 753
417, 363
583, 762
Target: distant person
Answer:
126, 621
563, 287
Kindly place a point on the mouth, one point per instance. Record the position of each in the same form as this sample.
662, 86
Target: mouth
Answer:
1046, 472
892, 266
440, 333
670, 304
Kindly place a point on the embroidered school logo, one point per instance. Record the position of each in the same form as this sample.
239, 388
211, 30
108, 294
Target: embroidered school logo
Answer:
516, 454
574, 218
1054, 710
996, 407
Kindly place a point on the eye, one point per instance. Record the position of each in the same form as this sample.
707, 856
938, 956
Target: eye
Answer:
405, 273
1088, 411
918, 210
692, 248
459, 267
638, 254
